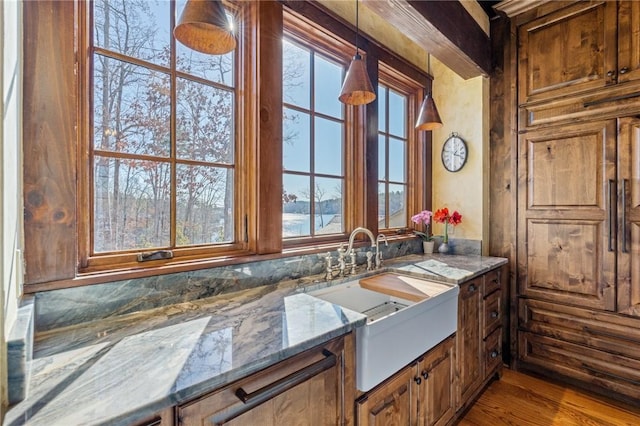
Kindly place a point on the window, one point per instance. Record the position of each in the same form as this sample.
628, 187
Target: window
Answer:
138, 144
392, 158
164, 128
314, 141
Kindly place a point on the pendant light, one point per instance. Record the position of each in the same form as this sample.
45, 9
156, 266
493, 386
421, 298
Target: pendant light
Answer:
357, 88
204, 27
428, 119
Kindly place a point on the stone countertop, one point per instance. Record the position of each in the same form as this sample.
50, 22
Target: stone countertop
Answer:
121, 370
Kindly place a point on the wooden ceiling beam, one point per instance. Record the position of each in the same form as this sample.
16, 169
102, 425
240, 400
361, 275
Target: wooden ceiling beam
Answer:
444, 29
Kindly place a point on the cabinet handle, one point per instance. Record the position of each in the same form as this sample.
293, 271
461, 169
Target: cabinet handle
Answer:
418, 380
624, 215
472, 287
612, 75
279, 386
494, 354
624, 70
425, 375
611, 217
494, 314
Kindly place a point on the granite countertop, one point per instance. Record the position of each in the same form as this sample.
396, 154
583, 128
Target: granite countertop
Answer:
121, 370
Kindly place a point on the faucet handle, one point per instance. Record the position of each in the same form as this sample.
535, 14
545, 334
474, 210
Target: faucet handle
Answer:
382, 237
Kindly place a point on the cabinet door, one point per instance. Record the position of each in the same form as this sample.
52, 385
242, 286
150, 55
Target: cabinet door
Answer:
566, 52
629, 217
566, 214
437, 392
305, 390
628, 40
470, 365
390, 404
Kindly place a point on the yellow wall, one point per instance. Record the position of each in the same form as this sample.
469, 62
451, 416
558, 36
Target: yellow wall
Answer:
463, 107
377, 28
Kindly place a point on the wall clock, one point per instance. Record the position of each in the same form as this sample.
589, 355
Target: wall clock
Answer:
454, 153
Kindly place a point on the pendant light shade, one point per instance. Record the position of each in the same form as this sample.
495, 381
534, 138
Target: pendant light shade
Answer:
428, 119
204, 27
357, 88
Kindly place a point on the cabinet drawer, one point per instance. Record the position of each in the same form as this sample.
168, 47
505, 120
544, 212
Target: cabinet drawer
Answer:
493, 351
471, 288
492, 281
591, 366
614, 334
492, 312
311, 382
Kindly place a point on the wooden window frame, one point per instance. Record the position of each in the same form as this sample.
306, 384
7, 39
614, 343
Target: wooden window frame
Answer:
417, 170
54, 123
320, 41
90, 262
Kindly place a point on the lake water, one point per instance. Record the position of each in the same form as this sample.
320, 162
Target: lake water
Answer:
297, 224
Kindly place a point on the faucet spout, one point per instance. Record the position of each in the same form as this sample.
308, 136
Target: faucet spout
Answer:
357, 231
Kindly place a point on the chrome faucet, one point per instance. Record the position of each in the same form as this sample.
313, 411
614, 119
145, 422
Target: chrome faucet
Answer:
357, 231
343, 265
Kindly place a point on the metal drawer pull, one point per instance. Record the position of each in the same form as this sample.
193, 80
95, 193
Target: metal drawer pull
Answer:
276, 388
611, 213
472, 287
624, 215
494, 354
495, 314
425, 375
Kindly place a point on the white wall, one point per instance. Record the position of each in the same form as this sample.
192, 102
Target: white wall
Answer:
10, 175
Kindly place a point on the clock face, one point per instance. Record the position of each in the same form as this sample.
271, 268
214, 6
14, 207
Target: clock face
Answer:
454, 153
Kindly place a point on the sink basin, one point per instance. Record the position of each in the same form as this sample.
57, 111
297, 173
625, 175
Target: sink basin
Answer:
398, 329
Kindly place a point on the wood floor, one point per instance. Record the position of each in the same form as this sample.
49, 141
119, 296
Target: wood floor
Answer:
518, 399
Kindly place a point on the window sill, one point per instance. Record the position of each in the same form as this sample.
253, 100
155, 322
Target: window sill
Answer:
186, 266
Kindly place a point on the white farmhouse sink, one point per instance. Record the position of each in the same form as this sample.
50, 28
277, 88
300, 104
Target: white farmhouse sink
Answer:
397, 330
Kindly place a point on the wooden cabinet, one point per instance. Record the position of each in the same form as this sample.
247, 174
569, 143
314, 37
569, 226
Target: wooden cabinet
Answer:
628, 235
480, 326
585, 46
313, 388
164, 418
436, 393
579, 204
391, 403
469, 352
566, 191
599, 349
423, 393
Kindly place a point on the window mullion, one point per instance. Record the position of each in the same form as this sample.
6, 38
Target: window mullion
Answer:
172, 132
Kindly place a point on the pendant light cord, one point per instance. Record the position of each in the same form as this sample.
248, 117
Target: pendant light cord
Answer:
357, 28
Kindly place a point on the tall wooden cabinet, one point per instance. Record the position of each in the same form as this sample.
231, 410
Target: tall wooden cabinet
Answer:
578, 48
576, 160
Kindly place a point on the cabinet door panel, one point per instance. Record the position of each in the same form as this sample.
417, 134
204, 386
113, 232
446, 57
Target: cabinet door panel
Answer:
629, 217
567, 206
470, 367
391, 404
568, 51
437, 391
628, 40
